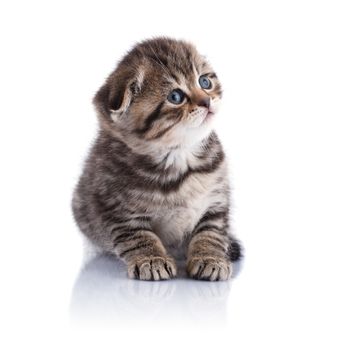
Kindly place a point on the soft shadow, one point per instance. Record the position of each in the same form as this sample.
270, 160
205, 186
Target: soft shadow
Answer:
103, 293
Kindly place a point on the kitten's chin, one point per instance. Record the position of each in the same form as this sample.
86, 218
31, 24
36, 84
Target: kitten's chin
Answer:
208, 118
199, 133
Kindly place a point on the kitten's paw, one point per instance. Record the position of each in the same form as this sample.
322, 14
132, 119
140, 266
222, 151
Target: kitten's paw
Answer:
152, 268
209, 268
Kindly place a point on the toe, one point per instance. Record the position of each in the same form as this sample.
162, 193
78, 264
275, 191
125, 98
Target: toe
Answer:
145, 271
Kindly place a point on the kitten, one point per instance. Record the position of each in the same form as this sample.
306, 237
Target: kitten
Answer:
155, 180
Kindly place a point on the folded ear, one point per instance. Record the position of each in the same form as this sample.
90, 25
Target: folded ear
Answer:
115, 96
112, 100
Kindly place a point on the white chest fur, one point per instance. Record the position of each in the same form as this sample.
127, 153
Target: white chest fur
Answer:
172, 224
173, 221
180, 211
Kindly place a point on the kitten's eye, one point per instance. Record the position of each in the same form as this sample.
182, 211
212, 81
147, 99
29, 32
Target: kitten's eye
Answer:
204, 82
176, 96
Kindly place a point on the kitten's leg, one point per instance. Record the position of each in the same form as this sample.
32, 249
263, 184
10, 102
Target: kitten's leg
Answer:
211, 250
145, 255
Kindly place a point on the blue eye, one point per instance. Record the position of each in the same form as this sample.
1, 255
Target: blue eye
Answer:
204, 82
176, 96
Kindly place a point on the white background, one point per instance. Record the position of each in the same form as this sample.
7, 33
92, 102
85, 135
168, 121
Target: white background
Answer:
284, 122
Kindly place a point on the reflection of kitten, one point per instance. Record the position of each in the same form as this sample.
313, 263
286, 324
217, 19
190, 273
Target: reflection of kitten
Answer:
156, 177
102, 294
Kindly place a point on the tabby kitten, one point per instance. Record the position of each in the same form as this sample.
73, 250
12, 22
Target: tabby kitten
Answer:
155, 182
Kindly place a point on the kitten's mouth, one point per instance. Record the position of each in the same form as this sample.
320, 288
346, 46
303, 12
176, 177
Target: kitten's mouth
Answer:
206, 115
210, 113
209, 116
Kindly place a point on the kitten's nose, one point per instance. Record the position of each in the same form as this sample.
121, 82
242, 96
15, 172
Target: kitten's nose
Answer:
204, 102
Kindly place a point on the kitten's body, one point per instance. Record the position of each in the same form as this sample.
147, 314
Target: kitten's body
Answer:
174, 205
166, 191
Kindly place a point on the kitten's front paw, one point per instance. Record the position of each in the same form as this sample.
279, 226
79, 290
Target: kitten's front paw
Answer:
152, 268
209, 268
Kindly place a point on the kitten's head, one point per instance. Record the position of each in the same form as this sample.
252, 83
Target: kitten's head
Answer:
162, 92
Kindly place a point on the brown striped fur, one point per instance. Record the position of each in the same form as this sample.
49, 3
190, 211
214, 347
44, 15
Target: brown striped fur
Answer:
155, 182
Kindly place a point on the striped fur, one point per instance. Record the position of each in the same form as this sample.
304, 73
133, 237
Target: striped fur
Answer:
155, 181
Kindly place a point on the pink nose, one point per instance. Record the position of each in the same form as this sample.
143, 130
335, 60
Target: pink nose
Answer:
204, 102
